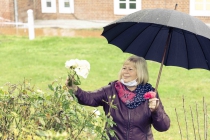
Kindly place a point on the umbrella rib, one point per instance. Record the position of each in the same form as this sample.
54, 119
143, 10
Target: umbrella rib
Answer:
122, 31
110, 28
203, 51
169, 44
137, 36
186, 49
153, 40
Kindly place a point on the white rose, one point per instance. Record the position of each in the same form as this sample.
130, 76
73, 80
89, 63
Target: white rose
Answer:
81, 71
85, 64
72, 63
83, 68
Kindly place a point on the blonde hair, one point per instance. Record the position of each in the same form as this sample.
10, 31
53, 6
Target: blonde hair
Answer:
141, 68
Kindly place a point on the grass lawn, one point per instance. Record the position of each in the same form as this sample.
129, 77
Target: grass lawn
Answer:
42, 60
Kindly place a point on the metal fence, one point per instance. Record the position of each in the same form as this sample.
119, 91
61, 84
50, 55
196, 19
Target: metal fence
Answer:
18, 28
12, 28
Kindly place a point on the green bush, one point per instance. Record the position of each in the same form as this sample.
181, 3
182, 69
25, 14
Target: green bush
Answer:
27, 113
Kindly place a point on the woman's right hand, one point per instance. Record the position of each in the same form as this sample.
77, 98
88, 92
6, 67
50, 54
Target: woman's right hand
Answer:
153, 104
70, 84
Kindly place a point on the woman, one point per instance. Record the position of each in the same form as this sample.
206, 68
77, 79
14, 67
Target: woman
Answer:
134, 114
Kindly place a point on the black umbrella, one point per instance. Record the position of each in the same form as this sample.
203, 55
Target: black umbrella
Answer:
167, 36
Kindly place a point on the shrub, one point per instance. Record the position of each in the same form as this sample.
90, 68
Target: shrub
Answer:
28, 113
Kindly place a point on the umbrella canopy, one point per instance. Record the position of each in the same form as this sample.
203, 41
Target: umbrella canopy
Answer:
167, 36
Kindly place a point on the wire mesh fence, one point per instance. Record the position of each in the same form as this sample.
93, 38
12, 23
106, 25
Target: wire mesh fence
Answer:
12, 28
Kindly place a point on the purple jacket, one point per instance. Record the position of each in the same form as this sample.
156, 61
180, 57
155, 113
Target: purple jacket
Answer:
132, 124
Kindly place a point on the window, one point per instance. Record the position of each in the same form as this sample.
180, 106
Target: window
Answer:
200, 7
66, 6
125, 7
48, 6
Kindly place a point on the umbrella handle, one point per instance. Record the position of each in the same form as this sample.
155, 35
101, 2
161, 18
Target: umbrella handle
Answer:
163, 59
164, 54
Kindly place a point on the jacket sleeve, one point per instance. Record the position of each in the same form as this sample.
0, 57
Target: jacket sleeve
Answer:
160, 120
91, 98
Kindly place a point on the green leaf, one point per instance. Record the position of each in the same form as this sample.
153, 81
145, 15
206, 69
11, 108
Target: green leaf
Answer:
57, 120
1, 91
111, 132
56, 88
56, 94
98, 128
25, 129
24, 91
40, 98
50, 87
41, 120
41, 133
14, 114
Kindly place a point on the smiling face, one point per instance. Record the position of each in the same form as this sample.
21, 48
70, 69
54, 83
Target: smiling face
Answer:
134, 67
128, 72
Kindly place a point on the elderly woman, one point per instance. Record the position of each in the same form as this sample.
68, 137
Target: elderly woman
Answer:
134, 114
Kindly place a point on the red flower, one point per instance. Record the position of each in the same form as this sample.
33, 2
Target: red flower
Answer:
149, 95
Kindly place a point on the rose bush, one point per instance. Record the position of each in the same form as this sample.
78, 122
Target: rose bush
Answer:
29, 113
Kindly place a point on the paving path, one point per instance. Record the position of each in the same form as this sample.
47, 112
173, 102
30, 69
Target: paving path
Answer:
72, 24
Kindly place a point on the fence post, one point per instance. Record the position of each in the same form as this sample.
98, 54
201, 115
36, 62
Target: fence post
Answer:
30, 24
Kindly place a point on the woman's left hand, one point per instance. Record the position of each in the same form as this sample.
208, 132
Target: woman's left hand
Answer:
153, 104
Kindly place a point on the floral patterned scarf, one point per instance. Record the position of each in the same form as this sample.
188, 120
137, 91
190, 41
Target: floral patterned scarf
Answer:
135, 98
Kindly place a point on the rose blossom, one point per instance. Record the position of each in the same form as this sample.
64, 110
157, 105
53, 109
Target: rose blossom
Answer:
71, 63
81, 67
149, 95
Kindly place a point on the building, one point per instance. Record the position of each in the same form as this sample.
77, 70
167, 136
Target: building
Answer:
95, 10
